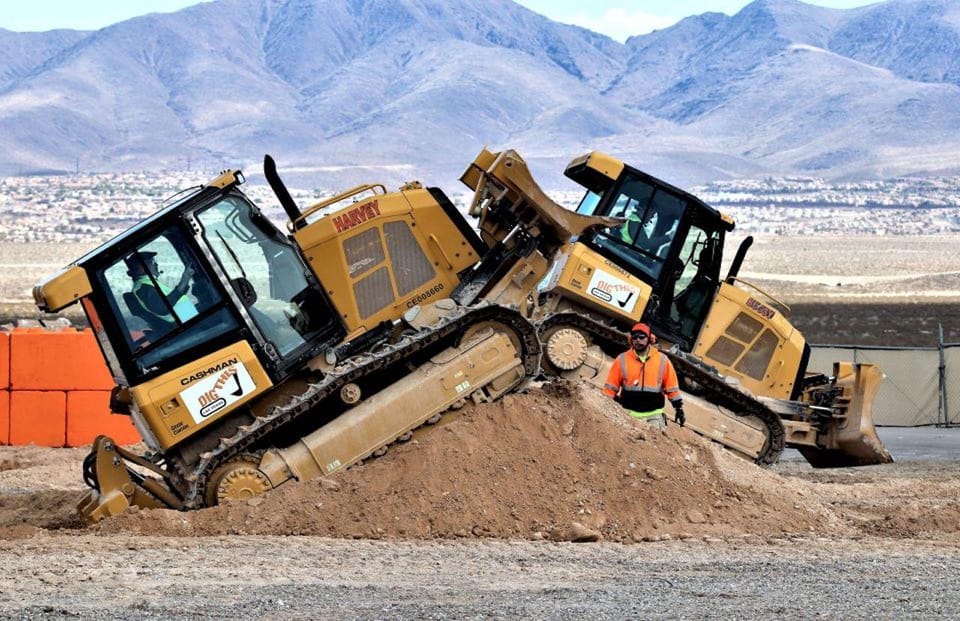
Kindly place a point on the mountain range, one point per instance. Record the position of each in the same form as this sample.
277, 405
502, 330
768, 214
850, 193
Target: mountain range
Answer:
342, 91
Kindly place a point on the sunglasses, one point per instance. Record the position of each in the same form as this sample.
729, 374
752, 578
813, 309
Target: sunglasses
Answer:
639, 335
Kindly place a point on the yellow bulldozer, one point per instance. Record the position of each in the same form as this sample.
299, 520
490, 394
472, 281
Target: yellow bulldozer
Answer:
742, 365
248, 357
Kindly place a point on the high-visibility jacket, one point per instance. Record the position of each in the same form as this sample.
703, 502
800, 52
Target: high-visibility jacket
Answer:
630, 230
641, 383
146, 294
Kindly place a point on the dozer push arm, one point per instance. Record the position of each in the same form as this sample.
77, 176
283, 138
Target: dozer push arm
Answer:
506, 195
115, 486
523, 228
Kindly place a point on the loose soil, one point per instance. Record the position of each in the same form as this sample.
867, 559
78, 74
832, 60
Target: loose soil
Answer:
558, 462
475, 518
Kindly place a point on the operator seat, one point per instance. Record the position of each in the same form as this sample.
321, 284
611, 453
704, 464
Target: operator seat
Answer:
691, 303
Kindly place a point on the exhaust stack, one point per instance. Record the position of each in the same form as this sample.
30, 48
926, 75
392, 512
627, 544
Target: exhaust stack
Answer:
276, 184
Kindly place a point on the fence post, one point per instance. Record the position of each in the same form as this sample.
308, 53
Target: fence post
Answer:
942, 404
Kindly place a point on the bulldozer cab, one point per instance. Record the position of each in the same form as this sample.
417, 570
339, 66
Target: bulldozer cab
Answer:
197, 276
670, 240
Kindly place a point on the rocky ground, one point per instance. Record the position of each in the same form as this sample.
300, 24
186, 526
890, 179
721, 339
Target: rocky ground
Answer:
549, 504
312, 577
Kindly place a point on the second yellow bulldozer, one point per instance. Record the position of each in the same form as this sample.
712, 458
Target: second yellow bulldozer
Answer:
742, 364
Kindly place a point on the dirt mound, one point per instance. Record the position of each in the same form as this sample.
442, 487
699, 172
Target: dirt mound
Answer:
558, 462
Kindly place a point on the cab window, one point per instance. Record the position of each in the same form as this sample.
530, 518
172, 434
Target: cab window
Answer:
698, 280
265, 272
652, 217
588, 204
162, 299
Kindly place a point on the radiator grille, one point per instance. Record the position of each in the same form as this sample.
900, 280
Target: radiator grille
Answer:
744, 328
363, 252
755, 362
725, 351
411, 268
373, 292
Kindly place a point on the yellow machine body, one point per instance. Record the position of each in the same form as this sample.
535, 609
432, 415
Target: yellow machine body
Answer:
746, 338
599, 284
182, 402
62, 289
383, 255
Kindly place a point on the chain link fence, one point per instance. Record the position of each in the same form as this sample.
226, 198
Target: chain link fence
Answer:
920, 386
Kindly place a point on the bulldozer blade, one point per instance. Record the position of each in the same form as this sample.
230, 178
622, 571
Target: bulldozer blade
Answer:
115, 487
851, 439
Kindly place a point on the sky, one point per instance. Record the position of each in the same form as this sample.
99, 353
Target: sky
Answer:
623, 18
617, 19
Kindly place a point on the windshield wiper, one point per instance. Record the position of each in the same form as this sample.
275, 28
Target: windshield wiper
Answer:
233, 255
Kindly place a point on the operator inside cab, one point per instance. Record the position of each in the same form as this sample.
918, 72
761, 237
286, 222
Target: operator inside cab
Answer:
158, 305
651, 232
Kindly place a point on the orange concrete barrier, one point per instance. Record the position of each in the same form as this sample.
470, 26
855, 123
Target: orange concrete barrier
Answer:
88, 416
63, 360
38, 417
4, 417
4, 360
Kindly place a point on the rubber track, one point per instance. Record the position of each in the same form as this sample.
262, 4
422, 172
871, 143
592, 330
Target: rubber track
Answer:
718, 390
352, 370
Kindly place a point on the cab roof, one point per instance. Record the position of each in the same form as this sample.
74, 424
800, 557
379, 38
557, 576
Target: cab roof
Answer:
598, 172
177, 203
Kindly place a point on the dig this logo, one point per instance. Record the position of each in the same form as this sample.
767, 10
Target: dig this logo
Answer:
211, 401
212, 394
613, 291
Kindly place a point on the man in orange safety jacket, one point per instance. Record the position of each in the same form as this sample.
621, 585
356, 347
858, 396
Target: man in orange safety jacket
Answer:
640, 378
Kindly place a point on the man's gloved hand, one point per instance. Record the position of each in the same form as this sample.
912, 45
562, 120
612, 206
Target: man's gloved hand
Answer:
678, 413
185, 279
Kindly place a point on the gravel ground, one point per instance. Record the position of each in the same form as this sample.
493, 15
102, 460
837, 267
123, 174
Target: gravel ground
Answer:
310, 577
886, 544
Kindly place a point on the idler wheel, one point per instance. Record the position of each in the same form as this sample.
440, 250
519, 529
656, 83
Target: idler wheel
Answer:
567, 349
236, 480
